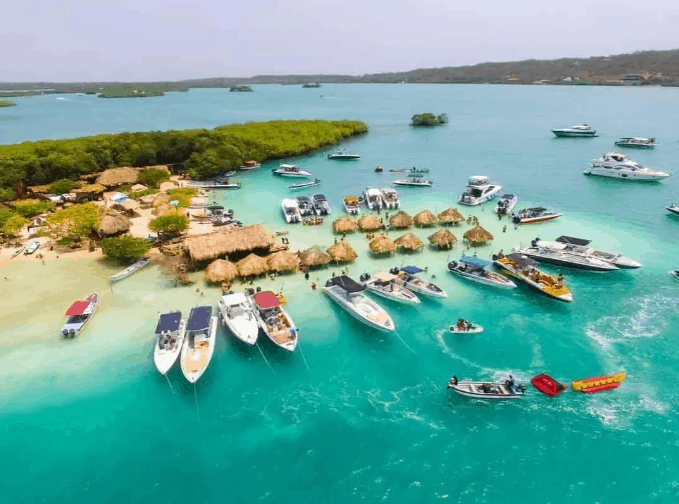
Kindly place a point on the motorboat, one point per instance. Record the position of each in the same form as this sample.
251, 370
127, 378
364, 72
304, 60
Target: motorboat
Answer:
170, 332
372, 198
239, 316
291, 211
351, 205
672, 208
560, 255
524, 269
505, 204
320, 204
17, 252
477, 270
384, 285
289, 170
464, 327
343, 155
379, 169
675, 274
397, 170
534, 215
224, 220
407, 277
349, 295
79, 314
305, 207
414, 181
578, 246
304, 185
637, 142
250, 165
617, 165
415, 171
274, 320
548, 385
32, 247
141, 263
478, 191
199, 342
579, 131
390, 199
599, 383
487, 390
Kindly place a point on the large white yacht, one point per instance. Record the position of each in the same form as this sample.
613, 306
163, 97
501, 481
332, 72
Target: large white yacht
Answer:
637, 142
390, 198
290, 209
579, 247
349, 295
579, 131
372, 198
617, 165
479, 190
289, 170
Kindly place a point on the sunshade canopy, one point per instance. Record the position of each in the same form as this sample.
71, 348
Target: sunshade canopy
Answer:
573, 241
77, 308
319, 197
347, 283
385, 277
522, 260
413, 270
169, 322
199, 318
266, 299
234, 299
474, 261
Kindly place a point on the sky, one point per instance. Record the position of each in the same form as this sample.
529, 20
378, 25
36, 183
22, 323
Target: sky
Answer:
150, 40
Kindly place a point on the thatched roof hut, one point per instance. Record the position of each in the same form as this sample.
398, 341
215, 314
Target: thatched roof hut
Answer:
382, 245
283, 261
161, 199
313, 257
478, 236
344, 225
114, 177
401, 220
138, 188
425, 218
409, 242
252, 265
220, 271
113, 224
443, 238
236, 241
369, 223
450, 216
342, 252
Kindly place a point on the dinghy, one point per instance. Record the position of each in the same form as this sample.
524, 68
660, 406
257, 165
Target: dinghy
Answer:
130, 270
487, 390
548, 385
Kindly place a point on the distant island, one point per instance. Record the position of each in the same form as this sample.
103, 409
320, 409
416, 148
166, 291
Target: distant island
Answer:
6, 103
311, 85
241, 88
136, 91
427, 119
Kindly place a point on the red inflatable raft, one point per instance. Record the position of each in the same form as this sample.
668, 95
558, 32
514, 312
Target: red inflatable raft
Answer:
547, 385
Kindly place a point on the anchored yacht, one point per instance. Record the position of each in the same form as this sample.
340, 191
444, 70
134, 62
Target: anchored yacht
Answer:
291, 210
289, 170
372, 198
578, 247
506, 204
349, 295
579, 131
617, 165
562, 256
479, 191
637, 142
342, 154
390, 198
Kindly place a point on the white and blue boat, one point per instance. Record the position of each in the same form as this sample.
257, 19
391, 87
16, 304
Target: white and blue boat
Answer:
407, 277
477, 270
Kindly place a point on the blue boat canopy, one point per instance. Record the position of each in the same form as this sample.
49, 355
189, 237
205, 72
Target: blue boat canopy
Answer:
413, 270
346, 283
169, 322
199, 318
474, 261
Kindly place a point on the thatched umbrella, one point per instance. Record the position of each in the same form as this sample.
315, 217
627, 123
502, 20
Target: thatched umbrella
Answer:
401, 220
114, 177
113, 224
161, 199
409, 242
283, 261
344, 225
478, 236
450, 216
382, 245
369, 223
220, 271
443, 238
425, 218
314, 256
342, 252
252, 265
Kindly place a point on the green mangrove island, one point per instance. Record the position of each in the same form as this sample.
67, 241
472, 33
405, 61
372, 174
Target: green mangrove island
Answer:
6, 103
136, 92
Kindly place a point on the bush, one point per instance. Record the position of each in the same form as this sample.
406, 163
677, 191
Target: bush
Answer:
31, 208
153, 177
14, 224
5, 216
183, 195
6, 194
73, 222
146, 157
169, 224
124, 247
62, 186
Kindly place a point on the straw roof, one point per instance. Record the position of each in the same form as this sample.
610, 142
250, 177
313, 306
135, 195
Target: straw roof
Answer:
443, 238
161, 198
138, 188
450, 216
211, 246
342, 252
344, 225
425, 218
174, 265
113, 224
252, 265
369, 223
409, 242
40, 189
478, 235
314, 256
91, 188
162, 209
382, 245
401, 220
220, 271
118, 176
166, 186
283, 261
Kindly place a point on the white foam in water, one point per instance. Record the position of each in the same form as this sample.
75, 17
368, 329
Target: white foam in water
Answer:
147, 298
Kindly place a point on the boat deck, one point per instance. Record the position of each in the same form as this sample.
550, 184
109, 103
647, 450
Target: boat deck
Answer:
197, 357
280, 331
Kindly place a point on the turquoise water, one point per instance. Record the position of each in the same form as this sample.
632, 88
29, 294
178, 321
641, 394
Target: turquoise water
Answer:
356, 415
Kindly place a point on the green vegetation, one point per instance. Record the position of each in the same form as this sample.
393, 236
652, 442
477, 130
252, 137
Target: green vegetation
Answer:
183, 195
169, 223
5, 215
153, 177
62, 186
124, 247
14, 224
31, 208
143, 193
428, 119
6, 103
136, 91
72, 223
6, 194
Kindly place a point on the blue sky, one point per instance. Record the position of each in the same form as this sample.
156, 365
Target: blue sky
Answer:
123, 40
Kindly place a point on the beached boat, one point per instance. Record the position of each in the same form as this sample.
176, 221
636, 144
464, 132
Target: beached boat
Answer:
274, 320
672, 208
79, 314
616, 165
548, 385
675, 274
239, 316
524, 269
578, 247
478, 191
637, 142
304, 185
407, 277
599, 383
505, 204
250, 165
534, 216
17, 252
170, 332
32, 247
464, 327
305, 207
476, 270
414, 181
564, 255
383, 284
141, 263
320, 204
579, 131
349, 295
390, 199
351, 205
290, 210
343, 155
288, 170
487, 390
372, 198
199, 342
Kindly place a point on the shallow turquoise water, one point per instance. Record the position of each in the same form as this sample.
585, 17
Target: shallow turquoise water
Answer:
358, 416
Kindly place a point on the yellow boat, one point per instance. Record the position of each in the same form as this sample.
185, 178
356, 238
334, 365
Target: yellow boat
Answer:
599, 383
523, 268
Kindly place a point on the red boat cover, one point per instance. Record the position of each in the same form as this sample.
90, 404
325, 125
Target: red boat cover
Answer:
547, 385
266, 299
77, 308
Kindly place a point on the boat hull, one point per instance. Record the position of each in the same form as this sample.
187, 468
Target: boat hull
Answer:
592, 265
242, 328
469, 389
574, 134
621, 175
394, 297
164, 359
470, 201
673, 210
142, 263
566, 298
421, 289
508, 284
79, 328
194, 376
537, 220
292, 174
383, 328
404, 183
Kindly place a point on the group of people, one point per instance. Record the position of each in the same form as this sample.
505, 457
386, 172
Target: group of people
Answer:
463, 325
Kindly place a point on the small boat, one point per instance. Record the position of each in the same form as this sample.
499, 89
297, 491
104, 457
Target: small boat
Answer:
79, 314
288, 170
170, 332
578, 247
379, 169
566, 256
414, 170
214, 185
141, 263
320, 204
675, 274
250, 165
616, 165
351, 205
464, 327
478, 191
579, 131
476, 270
372, 198
672, 208
199, 342
397, 170
239, 316
290, 210
383, 284
32, 247
274, 320
390, 199
548, 385
349, 295
414, 181
534, 216
343, 155
599, 383
305, 207
524, 269
304, 185
17, 252
407, 277
505, 204
637, 142
487, 390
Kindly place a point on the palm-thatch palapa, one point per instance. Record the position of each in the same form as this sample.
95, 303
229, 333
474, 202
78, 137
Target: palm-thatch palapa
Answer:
220, 271
342, 252
478, 236
443, 238
425, 218
409, 242
450, 216
344, 225
382, 245
313, 257
113, 224
369, 223
114, 177
283, 261
236, 241
401, 220
252, 265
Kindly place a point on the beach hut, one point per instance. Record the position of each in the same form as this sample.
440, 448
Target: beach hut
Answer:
369, 223
113, 224
450, 216
252, 265
409, 242
382, 245
425, 219
342, 252
401, 220
283, 261
220, 271
478, 236
344, 225
314, 257
233, 242
115, 177
443, 238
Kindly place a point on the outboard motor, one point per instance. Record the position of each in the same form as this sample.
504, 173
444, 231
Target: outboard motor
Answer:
494, 257
516, 219
394, 271
250, 291
453, 381
365, 277
72, 333
259, 289
452, 265
328, 283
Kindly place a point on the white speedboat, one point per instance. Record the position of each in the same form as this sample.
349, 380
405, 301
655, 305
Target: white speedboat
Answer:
305, 207
675, 274
672, 208
199, 342
384, 285
79, 314
563, 256
487, 390
506, 204
414, 181
342, 154
304, 185
407, 277
637, 142
616, 165
349, 295
390, 199
250, 165
352, 205
464, 327
239, 316
320, 204
577, 247
524, 269
274, 320
579, 131
141, 263
534, 215
32, 247
291, 211
372, 198
478, 191
476, 270
170, 332
288, 170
